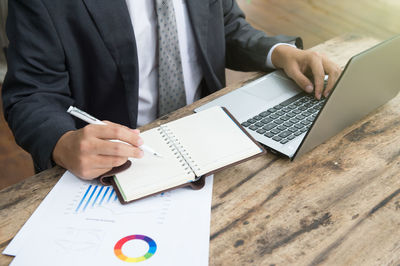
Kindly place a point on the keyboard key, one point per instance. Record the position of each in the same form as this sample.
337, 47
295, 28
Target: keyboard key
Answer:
305, 122
276, 138
293, 129
294, 120
274, 116
307, 113
269, 135
261, 131
308, 105
298, 126
259, 124
288, 124
291, 137
311, 119
281, 127
270, 126
284, 141
264, 114
246, 124
278, 121
257, 117
275, 131
298, 133
300, 117
291, 114
292, 106
304, 129
297, 111
278, 107
272, 110
251, 121
284, 134
284, 118
302, 108
298, 103
279, 112
266, 120
253, 127
291, 100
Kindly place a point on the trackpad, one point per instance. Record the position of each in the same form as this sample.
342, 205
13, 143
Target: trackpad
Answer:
271, 87
239, 104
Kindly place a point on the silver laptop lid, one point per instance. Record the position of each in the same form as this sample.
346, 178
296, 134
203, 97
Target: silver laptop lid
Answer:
369, 80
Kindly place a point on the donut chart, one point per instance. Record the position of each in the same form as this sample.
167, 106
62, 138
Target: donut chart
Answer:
118, 248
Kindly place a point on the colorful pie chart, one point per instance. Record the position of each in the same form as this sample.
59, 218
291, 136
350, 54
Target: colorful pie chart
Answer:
118, 248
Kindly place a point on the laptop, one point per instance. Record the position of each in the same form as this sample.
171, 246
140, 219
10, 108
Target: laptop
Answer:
287, 121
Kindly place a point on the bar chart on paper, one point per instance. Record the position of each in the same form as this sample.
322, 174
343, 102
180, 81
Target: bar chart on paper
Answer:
96, 194
94, 199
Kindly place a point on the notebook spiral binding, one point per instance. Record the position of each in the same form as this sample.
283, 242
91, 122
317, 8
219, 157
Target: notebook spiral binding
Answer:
179, 150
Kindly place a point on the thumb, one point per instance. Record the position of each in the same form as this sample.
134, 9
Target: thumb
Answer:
301, 80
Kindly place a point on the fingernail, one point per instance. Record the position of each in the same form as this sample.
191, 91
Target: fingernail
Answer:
319, 96
140, 154
136, 131
140, 142
309, 88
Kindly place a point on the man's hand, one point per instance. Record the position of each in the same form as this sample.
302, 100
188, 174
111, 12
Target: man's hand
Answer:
88, 152
301, 64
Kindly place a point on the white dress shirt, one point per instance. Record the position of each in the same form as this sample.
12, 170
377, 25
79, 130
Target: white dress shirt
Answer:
144, 22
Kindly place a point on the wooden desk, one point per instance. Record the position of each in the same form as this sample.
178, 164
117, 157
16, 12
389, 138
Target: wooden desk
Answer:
338, 204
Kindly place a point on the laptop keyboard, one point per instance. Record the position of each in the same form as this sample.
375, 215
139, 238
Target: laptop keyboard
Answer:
288, 120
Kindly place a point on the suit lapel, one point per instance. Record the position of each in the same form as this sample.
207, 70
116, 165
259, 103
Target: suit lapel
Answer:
113, 22
199, 12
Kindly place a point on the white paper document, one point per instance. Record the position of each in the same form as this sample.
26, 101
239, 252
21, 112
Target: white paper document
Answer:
83, 223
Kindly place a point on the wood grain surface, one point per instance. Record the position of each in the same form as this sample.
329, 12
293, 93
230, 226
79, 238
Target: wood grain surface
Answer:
336, 205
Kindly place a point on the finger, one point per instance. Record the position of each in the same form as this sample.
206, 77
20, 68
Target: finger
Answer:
301, 80
106, 147
318, 72
331, 82
114, 131
108, 162
333, 72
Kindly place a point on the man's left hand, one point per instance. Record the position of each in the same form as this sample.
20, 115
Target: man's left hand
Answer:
302, 64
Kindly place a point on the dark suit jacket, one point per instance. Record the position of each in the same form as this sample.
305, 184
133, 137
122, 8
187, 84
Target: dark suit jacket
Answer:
83, 53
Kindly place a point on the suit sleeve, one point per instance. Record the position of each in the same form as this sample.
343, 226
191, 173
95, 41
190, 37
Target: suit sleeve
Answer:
36, 94
246, 47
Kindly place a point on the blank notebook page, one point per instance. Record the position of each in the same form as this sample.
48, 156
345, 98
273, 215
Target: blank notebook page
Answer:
212, 140
151, 173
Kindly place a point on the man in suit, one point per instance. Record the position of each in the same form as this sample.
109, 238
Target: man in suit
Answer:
122, 61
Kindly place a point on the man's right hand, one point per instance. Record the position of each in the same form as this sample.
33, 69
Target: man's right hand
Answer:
89, 153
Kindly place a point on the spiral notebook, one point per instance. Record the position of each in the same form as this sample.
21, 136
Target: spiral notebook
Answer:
192, 147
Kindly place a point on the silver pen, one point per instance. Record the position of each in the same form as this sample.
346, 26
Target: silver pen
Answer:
92, 120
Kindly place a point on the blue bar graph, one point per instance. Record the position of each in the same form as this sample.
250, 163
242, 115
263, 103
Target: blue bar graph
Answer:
91, 199
112, 192
104, 195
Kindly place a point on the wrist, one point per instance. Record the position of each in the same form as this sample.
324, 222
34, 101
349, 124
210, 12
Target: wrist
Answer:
60, 150
281, 53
